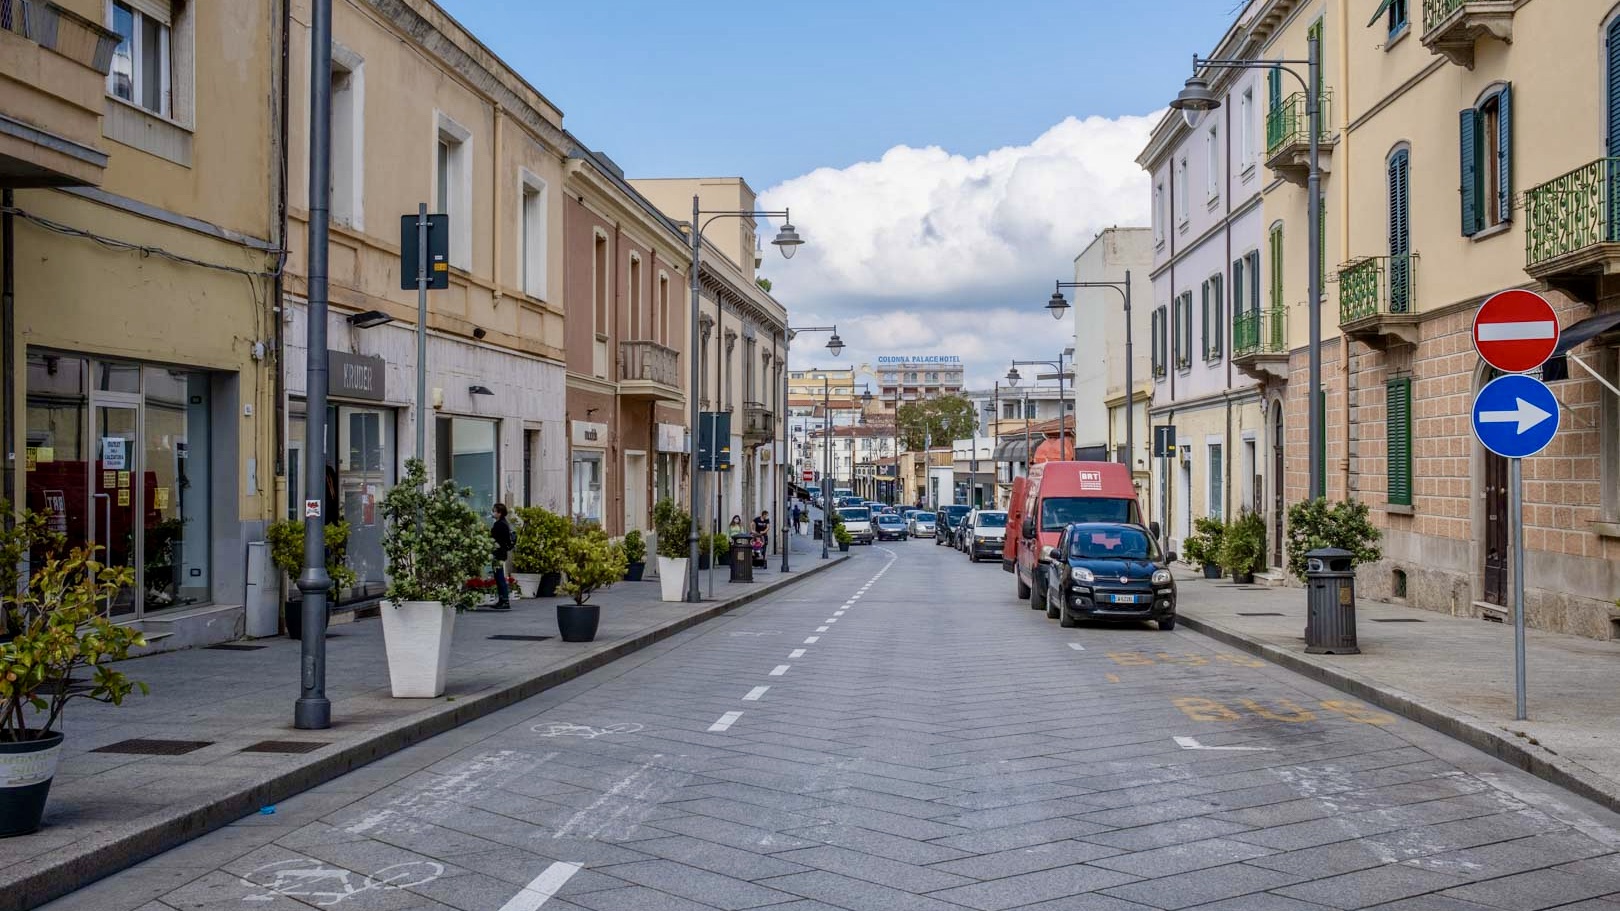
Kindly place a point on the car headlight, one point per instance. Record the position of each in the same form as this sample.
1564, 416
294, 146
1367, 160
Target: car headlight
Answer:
1161, 577
1081, 574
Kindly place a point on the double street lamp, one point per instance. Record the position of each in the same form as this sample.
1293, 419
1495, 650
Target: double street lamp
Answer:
1193, 102
836, 346
1014, 378
1058, 306
787, 240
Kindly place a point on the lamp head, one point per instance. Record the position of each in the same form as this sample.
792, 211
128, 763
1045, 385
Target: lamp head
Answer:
1057, 305
1194, 100
1013, 377
835, 344
787, 240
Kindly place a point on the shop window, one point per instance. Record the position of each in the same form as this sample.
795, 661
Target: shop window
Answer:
587, 486
465, 452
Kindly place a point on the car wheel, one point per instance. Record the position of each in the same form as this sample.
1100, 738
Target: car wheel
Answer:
1023, 590
1037, 595
1167, 624
1067, 621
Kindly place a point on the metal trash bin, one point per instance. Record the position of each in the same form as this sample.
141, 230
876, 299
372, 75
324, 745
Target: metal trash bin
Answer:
818, 529
1330, 624
742, 558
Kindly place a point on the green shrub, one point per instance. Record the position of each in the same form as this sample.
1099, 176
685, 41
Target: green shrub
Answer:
1204, 544
434, 541
540, 538
635, 547
842, 535
673, 525
1313, 524
1243, 545
286, 539
590, 561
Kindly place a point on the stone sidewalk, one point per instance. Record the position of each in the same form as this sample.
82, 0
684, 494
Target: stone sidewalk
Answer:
234, 704
1452, 674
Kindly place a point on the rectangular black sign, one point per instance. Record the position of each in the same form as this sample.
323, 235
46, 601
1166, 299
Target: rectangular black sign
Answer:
714, 441
1164, 441
356, 376
438, 252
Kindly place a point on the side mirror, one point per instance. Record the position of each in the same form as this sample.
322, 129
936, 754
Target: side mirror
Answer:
1171, 557
1154, 530
1029, 528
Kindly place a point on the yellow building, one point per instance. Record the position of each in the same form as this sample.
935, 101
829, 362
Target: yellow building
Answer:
140, 162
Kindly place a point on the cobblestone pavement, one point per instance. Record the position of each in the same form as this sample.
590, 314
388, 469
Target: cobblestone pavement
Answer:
902, 734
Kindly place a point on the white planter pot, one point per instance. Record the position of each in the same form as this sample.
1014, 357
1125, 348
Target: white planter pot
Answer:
528, 584
416, 635
672, 578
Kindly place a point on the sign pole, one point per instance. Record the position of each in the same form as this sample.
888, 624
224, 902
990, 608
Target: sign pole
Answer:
1516, 495
421, 330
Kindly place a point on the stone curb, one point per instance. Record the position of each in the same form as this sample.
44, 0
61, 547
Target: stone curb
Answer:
1497, 742
86, 861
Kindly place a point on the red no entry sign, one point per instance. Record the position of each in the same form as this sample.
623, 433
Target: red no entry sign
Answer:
1515, 331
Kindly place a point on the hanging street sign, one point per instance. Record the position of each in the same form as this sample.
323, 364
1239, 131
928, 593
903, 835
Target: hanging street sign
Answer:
1515, 416
1515, 331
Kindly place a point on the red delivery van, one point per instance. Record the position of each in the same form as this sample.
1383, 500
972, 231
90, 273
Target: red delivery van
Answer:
1054, 496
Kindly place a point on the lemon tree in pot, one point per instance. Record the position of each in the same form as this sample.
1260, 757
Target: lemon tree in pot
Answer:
590, 561
59, 628
537, 552
434, 542
286, 539
673, 525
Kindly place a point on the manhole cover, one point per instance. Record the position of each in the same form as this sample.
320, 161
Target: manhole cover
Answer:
234, 647
286, 746
1241, 614
513, 637
140, 747
1395, 620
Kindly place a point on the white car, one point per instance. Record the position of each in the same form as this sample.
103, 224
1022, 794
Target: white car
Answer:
858, 522
921, 524
986, 534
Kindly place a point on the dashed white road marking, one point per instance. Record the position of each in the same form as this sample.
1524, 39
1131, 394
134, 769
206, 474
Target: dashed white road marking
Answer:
726, 721
838, 613
796, 653
822, 629
832, 620
1191, 743
542, 887
1077, 646
779, 670
812, 640
755, 693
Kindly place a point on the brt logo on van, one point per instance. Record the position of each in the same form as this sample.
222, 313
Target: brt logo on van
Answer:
1091, 480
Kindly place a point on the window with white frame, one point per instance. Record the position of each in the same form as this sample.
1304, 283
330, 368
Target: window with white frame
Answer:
1246, 129
1159, 218
532, 236
664, 333
1216, 471
1182, 209
601, 295
1212, 164
452, 179
142, 65
637, 318
348, 137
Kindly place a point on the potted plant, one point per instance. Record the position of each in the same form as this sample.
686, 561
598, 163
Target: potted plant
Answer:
1203, 546
673, 525
537, 551
1313, 524
842, 536
434, 542
720, 546
58, 627
1243, 545
286, 539
591, 561
635, 556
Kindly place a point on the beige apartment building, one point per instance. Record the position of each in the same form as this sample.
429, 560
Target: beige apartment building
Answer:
139, 163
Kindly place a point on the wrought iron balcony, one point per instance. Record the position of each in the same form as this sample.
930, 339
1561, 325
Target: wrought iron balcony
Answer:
649, 370
759, 423
1378, 299
1288, 137
1451, 27
1572, 228
53, 77
1260, 343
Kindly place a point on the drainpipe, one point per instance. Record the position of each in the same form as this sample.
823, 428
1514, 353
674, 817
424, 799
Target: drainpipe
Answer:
8, 331
1226, 315
279, 301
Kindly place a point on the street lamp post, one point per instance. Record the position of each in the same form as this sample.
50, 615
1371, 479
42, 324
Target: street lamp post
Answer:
836, 346
1014, 378
1057, 306
1193, 101
787, 240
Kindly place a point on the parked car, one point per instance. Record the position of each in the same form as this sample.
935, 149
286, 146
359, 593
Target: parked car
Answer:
986, 531
1109, 571
921, 524
1052, 497
858, 522
960, 532
889, 527
948, 518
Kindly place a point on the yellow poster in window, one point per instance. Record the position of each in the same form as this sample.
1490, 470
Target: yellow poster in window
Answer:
123, 479
45, 453
160, 497
109, 480
123, 496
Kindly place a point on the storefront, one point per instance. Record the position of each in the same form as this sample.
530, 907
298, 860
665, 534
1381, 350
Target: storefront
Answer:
468, 454
587, 464
121, 455
668, 464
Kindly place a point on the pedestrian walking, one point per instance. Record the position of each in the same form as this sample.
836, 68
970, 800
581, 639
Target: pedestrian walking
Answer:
762, 523
501, 531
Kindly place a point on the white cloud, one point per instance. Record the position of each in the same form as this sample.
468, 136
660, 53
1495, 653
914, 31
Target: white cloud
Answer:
925, 252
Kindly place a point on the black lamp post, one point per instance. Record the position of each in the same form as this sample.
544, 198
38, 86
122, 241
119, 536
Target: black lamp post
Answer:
1057, 306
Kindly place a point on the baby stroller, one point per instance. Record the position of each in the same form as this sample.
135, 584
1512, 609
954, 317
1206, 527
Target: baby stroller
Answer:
759, 550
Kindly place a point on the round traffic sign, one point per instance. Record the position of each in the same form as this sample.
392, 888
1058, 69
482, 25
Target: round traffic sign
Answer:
1515, 416
1515, 331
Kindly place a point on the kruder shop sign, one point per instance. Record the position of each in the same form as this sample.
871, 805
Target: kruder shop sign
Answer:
356, 376
590, 435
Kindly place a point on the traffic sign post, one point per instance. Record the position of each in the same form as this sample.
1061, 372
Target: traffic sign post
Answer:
1516, 416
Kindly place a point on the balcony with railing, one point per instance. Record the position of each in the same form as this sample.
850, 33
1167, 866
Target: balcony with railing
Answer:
1378, 299
759, 423
1260, 343
648, 370
1288, 137
1452, 27
1572, 228
53, 77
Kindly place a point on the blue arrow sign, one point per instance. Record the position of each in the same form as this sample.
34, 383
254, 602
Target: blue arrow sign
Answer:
1515, 416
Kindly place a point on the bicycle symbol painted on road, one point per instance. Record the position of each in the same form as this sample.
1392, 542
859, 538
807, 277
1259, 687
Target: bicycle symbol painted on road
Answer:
568, 729
327, 886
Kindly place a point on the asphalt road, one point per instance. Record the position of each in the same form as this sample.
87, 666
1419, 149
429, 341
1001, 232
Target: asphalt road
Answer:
902, 734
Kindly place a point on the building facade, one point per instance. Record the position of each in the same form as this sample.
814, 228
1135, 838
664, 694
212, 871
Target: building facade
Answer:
913, 378
1099, 313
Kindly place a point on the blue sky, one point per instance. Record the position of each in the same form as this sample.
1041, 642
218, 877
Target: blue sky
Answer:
889, 124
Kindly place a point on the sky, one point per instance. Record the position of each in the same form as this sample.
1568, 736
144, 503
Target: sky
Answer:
943, 165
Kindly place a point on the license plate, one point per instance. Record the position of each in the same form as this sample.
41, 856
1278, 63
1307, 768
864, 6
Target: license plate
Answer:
1128, 599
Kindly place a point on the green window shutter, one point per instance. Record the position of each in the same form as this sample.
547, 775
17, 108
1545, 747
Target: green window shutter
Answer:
1383, 8
1398, 436
1254, 280
1277, 266
1315, 31
1321, 423
1154, 343
1400, 234
1321, 228
1237, 289
1186, 328
1468, 130
1273, 89
1204, 316
1218, 305
1614, 87
1504, 152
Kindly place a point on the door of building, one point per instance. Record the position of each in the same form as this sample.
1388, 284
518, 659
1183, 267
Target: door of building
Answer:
1277, 511
635, 491
1496, 528
115, 499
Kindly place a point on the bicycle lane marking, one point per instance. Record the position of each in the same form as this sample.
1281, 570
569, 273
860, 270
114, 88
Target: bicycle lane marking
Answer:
542, 887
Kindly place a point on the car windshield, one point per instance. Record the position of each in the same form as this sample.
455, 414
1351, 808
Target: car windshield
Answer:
888, 520
1113, 544
991, 520
922, 517
856, 514
1059, 513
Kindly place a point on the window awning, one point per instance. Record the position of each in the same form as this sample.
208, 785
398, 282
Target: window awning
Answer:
1012, 451
1586, 330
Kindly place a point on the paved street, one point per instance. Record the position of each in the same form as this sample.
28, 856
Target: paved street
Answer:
901, 734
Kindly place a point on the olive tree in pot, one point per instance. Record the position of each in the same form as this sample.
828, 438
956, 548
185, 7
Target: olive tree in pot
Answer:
635, 556
1203, 546
590, 561
59, 627
286, 539
673, 525
1315, 523
1243, 545
537, 553
434, 543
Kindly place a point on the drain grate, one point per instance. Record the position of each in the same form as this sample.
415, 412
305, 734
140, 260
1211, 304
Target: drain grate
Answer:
514, 637
1258, 614
1395, 620
141, 747
234, 647
286, 746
